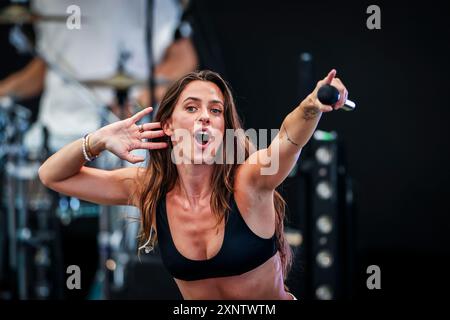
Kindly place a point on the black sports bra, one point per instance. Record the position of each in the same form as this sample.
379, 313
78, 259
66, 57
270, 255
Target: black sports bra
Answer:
241, 251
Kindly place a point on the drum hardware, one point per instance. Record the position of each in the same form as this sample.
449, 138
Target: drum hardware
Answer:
19, 14
119, 81
70, 208
24, 194
29, 243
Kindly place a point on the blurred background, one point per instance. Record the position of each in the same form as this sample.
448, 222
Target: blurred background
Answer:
370, 188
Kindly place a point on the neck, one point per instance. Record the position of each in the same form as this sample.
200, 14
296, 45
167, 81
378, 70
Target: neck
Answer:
194, 182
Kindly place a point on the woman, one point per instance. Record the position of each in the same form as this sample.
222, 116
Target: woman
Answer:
219, 225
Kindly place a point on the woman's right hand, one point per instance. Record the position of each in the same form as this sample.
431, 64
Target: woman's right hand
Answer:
124, 136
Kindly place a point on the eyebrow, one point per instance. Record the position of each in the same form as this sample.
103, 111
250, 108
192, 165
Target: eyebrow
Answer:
198, 99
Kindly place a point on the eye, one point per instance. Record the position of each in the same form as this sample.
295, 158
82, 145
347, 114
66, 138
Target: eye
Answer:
191, 108
216, 111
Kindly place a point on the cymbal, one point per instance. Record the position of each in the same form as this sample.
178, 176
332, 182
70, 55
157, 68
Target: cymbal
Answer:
17, 14
120, 81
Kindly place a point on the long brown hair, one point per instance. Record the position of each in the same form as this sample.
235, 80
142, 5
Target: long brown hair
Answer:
161, 174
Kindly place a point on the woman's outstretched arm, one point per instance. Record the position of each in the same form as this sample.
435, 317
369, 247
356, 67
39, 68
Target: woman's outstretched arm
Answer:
267, 168
65, 172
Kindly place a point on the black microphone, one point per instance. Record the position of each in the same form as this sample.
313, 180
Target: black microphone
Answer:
329, 95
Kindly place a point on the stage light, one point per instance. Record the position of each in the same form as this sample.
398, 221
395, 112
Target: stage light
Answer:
306, 56
327, 243
110, 264
324, 155
324, 224
293, 237
324, 292
42, 291
24, 234
324, 259
323, 172
63, 204
320, 135
74, 203
324, 190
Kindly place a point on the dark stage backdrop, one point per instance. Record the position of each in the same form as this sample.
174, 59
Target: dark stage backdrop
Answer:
397, 139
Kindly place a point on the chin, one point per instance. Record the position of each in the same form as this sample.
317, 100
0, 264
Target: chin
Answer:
203, 159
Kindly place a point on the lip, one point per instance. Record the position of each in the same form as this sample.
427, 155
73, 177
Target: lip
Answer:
203, 130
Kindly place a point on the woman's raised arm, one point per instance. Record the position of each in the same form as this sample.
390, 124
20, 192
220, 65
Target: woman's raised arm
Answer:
65, 172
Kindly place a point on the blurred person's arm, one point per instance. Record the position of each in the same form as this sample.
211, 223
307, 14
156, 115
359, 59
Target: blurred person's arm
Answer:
180, 58
25, 83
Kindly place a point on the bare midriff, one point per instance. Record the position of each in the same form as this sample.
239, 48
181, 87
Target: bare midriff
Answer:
265, 282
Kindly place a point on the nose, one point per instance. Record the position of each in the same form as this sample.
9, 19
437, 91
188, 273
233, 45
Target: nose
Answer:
204, 117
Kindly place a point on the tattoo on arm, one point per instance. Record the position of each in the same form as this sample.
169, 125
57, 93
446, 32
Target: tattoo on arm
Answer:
310, 113
287, 136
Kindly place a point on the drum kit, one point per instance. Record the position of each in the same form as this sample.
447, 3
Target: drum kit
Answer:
28, 210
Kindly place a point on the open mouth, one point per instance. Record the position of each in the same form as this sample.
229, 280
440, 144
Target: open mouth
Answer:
202, 137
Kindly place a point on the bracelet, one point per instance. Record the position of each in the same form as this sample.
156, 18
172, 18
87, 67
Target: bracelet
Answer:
86, 150
287, 136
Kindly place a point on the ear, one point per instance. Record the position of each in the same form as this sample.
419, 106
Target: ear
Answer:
167, 127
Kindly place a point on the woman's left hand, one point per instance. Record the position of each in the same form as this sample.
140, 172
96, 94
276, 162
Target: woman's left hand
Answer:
313, 106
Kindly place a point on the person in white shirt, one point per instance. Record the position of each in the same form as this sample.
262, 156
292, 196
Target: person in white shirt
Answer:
109, 29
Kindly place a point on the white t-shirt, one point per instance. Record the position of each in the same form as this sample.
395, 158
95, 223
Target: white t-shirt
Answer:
108, 28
